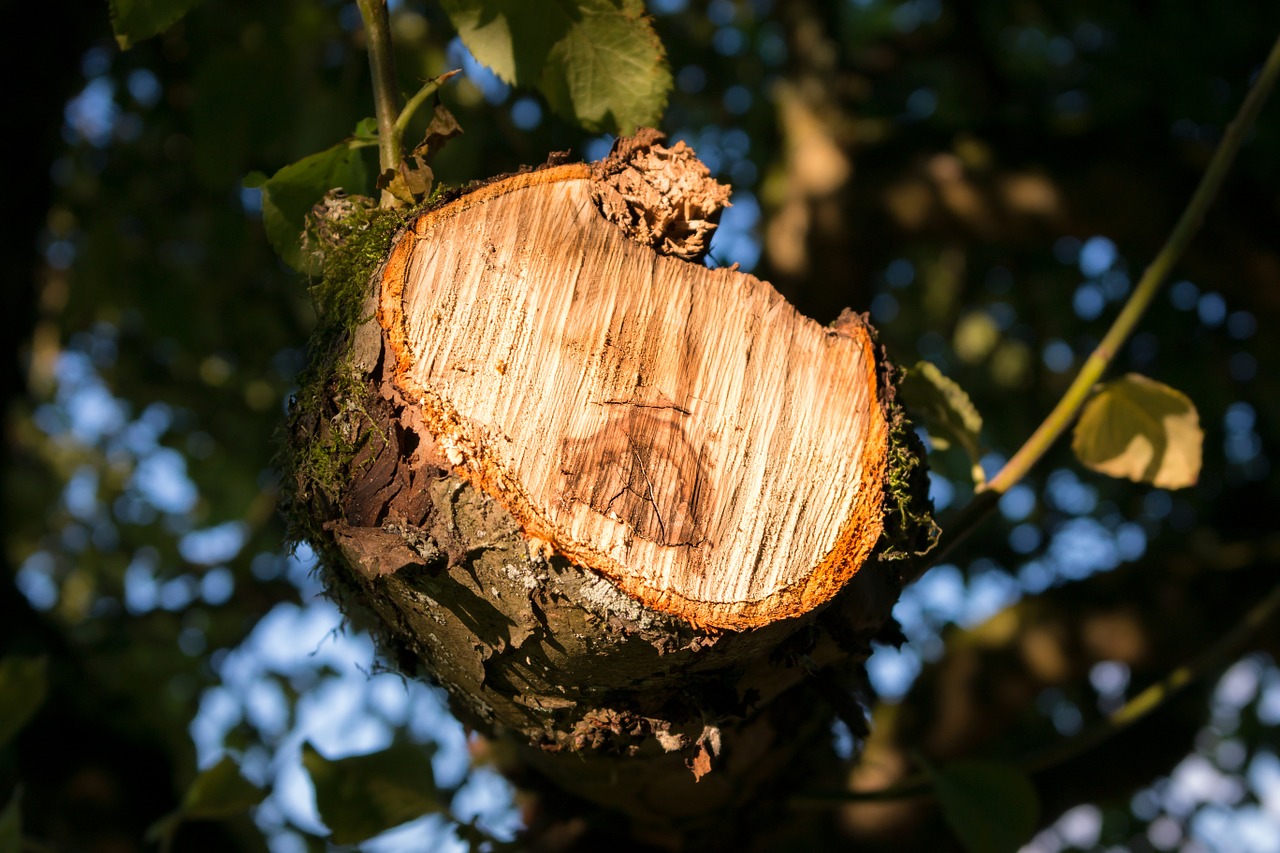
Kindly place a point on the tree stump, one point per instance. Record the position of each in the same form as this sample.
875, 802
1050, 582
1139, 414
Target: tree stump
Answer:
619, 504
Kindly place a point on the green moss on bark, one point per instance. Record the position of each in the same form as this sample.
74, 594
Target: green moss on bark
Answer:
910, 531
327, 424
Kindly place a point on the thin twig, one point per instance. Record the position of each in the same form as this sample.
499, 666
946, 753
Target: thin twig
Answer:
1213, 659
411, 106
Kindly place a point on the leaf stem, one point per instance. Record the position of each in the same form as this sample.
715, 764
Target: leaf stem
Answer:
377, 28
420, 97
1152, 278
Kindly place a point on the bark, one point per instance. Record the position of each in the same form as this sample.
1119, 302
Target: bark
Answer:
635, 515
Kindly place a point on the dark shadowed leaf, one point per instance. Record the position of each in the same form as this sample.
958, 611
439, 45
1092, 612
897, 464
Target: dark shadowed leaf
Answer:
221, 791
23, 685
598, 62
11, 824
361, 796
411, 181
948, 413
135, 20
218, 792
442, 128
289, 194
992, 808
1143, 430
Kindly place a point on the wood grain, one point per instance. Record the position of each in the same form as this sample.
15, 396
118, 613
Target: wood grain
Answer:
683, 431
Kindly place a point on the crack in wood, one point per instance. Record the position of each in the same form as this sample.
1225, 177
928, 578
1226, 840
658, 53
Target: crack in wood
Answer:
642, 469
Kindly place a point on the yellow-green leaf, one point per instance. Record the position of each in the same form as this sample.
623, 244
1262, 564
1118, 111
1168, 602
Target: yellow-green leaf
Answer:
289, 194
364, 795
220, 792
1143, 430
23, 685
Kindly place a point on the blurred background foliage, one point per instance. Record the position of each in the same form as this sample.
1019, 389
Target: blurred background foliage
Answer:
986, 178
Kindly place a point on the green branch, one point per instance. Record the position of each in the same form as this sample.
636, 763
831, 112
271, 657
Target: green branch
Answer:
1065, 412
1152, 278
377, 28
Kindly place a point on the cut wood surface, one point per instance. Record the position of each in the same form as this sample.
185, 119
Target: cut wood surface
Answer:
682, 431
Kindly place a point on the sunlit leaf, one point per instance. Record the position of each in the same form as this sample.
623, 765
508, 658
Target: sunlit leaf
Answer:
410, 183
23, 686
976, 335
11, 824
1143, 430
218, 792
992, 808
598, 62
136, 20
948, 414
289, 194
361, 796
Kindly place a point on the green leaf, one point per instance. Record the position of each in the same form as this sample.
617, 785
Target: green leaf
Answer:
218, 792
367, 130
1143, 430
136, 20
221, 791
361, 796
598, 62
23, 686
948, 414
992, 808
289, 194
11, 824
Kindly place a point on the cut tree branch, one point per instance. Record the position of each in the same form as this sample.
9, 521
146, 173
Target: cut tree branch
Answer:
618, 504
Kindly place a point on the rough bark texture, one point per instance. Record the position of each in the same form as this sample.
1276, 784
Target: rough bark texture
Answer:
671, 697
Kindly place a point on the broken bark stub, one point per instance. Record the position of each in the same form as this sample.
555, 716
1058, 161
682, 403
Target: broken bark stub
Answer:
682, 431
